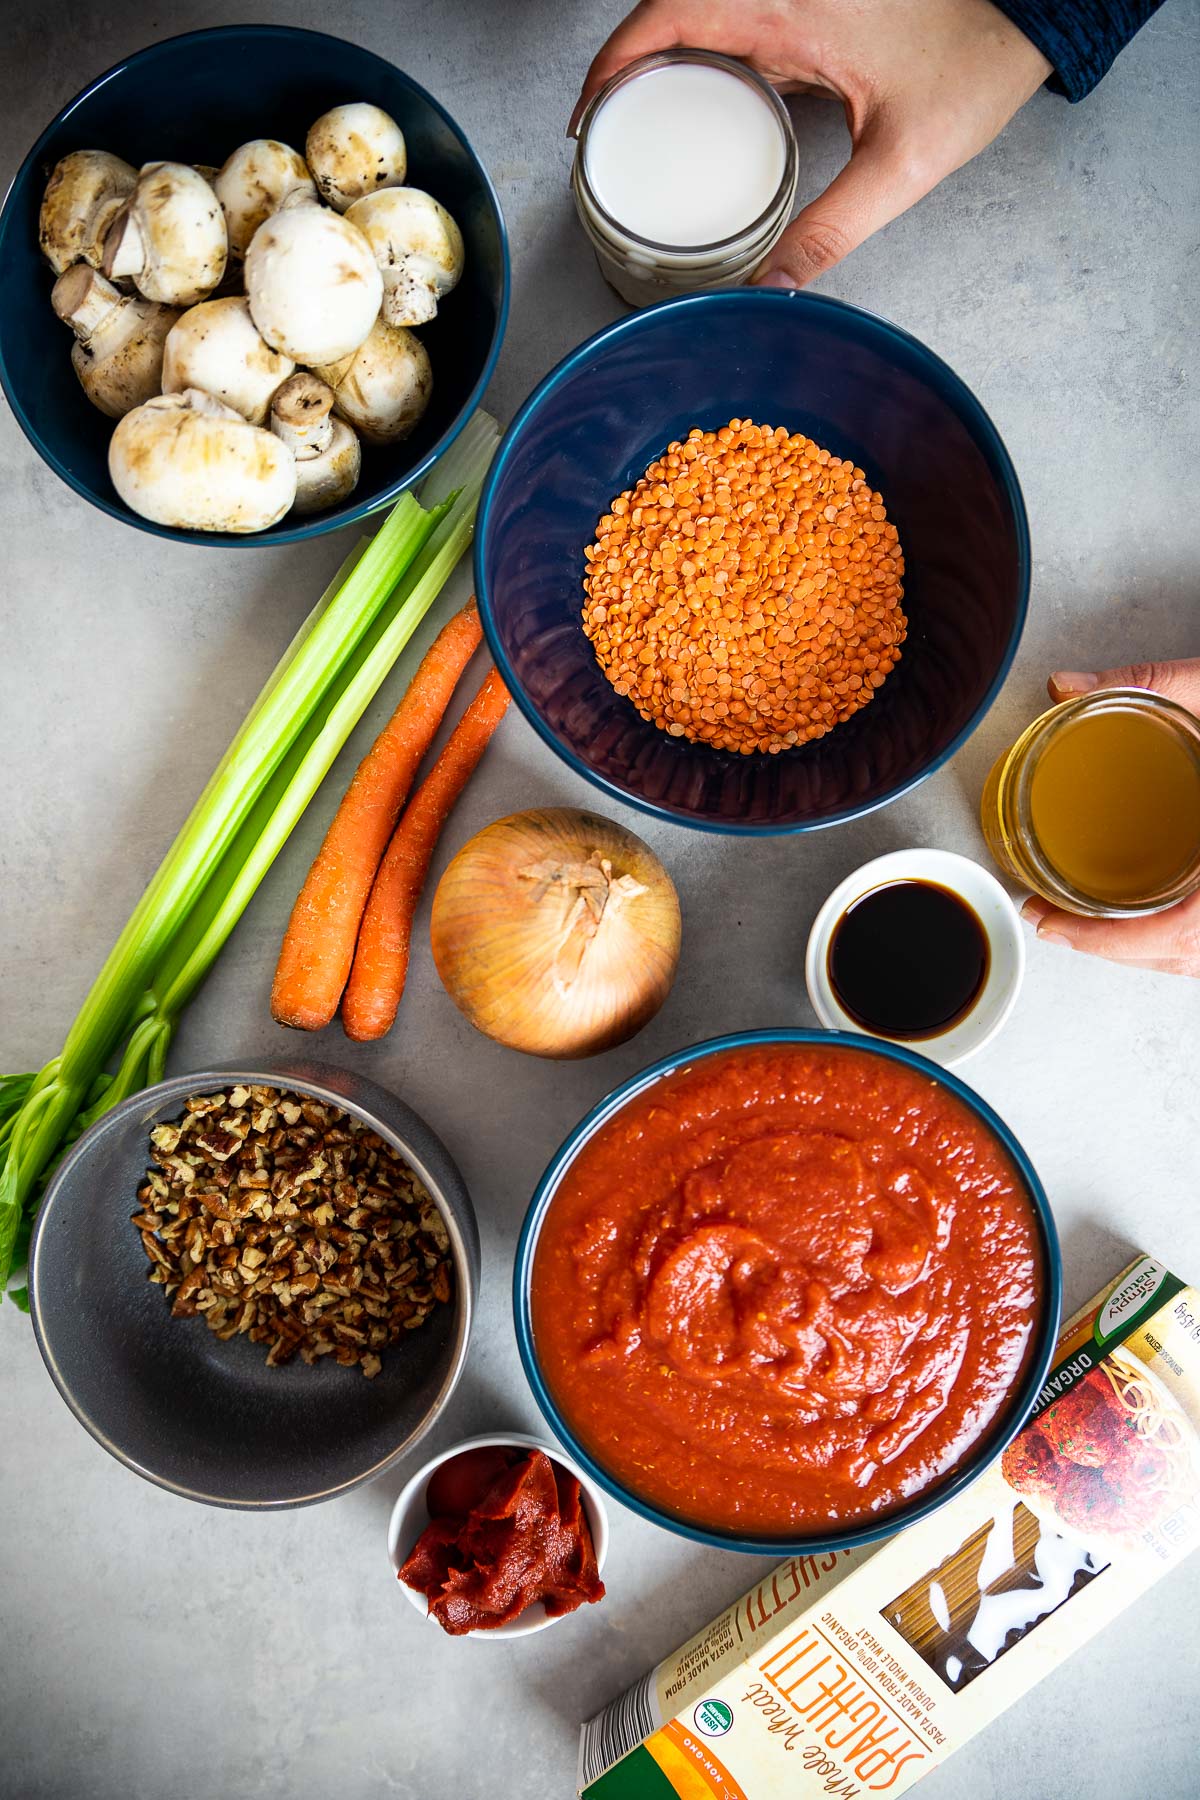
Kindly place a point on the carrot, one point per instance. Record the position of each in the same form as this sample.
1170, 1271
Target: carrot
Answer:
318, 946
381, 960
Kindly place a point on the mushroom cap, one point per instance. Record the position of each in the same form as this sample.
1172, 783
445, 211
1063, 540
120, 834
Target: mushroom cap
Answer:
418, 247
312, 283
253, 182
188, 461
327, 478
169, 236
216, 347
84, 194
384, 388
355, 150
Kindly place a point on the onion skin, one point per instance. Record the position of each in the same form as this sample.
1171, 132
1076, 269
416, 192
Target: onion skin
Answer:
518, 951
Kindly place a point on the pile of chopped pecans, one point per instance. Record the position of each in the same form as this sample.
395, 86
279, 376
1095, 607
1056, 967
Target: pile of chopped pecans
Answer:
274, 1214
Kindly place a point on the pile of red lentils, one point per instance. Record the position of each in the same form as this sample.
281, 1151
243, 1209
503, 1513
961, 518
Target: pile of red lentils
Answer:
747, 592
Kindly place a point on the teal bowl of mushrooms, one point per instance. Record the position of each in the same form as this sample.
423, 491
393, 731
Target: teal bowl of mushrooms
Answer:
256, 281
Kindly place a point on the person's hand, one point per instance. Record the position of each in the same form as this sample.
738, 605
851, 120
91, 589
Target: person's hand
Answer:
1170, 940
925, 84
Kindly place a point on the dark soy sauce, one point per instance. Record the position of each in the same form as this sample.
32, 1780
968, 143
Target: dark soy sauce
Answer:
908, 959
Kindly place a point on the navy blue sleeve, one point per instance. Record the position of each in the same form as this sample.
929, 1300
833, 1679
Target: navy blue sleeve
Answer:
1082, 38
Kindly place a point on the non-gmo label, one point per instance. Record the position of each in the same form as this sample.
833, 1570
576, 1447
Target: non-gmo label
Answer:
713, 1718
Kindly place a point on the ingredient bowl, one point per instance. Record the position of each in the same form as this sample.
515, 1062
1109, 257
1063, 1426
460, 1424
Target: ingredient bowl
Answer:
864, 390
195, 99
207, 1419
990, 904
411, 1515
719, 1299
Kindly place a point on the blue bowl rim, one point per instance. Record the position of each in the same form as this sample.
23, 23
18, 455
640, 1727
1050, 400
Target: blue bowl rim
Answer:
983, 1454
315, 527
970, 407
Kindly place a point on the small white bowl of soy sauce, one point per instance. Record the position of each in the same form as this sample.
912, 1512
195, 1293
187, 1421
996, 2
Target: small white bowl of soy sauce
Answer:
921, 947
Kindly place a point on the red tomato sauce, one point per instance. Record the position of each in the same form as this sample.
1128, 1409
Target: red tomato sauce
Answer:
785, 1288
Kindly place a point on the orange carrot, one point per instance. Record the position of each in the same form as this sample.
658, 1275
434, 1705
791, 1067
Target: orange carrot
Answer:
318, 946
381, 960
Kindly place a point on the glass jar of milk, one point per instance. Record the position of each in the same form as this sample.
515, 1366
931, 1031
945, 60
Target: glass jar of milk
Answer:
684, 174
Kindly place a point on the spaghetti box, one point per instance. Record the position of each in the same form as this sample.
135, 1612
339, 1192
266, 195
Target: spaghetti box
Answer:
856, 1673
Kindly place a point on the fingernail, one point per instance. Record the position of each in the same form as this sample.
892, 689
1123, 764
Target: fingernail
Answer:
1033, 910
776, 279
1054, 937
1066, 682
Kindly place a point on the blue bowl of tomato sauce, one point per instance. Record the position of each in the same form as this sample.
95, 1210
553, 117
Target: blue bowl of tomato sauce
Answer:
788, 1291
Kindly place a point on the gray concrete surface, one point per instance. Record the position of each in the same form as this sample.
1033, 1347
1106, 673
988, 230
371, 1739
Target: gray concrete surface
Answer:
152, 1648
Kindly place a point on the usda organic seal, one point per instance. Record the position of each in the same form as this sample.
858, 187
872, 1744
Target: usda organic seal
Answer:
713, 1718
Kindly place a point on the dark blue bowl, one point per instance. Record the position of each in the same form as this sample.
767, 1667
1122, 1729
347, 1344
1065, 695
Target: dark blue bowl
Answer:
860, 387
995, 1441
194, 99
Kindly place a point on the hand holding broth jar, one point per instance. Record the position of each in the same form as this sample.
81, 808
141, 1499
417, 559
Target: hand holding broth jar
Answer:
684, 174
787, 1287
1096, 807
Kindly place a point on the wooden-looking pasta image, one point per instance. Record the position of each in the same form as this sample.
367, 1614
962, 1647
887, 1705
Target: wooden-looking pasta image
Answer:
998, 1585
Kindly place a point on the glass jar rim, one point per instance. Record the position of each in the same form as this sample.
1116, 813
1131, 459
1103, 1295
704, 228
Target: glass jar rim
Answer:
661, 59
1036, 739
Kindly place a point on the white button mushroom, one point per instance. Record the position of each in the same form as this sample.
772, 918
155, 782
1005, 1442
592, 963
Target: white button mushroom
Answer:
186, 460
119, 354
384, 387
328, 455
355, 150
254, 182
169, 237
312, 282
418, 247
216, 347
83, 196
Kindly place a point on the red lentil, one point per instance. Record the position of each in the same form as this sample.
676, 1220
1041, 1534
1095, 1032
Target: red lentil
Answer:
747, 592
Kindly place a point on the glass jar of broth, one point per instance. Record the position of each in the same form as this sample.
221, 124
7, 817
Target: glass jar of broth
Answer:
684, 175
1096, 807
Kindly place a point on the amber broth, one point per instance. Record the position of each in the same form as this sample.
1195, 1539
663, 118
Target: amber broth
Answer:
1114, 802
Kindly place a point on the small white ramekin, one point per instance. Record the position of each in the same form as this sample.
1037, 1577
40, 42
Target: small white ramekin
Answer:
995, 912
410, 1516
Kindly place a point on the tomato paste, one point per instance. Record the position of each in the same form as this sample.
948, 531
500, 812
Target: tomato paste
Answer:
507, 1528
786, 1287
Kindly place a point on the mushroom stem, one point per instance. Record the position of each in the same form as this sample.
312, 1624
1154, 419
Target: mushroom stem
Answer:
124, 247
327, 452
300, 415
83, 299
119, 354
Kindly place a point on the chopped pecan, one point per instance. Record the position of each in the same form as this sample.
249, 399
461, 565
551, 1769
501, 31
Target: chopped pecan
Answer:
275, 1216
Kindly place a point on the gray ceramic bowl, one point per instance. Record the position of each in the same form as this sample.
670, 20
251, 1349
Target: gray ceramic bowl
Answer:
206, 1419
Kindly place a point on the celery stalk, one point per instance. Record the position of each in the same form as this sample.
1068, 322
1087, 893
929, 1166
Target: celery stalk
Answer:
243, 772
284, 748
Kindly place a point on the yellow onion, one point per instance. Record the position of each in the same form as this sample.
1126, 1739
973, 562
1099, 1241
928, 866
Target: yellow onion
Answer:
556, 932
